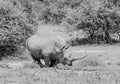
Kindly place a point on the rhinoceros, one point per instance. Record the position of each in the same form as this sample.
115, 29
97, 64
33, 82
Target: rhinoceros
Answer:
49, 49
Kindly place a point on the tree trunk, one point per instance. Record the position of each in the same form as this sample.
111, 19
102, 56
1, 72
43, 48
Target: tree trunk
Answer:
108, 38
91, 40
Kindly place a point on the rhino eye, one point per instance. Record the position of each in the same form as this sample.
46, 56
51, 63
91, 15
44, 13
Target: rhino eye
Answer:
62, 48
67, 47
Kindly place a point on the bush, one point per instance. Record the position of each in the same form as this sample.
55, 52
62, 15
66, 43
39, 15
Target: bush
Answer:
14, 29
100, 24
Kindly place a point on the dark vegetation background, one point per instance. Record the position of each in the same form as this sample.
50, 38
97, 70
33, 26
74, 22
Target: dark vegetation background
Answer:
99, 19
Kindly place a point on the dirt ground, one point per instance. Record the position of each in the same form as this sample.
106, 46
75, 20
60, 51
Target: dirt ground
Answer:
100, 66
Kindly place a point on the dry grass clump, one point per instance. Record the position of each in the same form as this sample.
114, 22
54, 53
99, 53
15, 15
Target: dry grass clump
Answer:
90, 62
63, 67
31, 65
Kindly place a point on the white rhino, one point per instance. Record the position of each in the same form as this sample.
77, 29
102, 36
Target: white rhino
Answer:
51, 50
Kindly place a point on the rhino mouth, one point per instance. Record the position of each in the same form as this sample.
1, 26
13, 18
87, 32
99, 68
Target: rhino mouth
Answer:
67, 62
70, 62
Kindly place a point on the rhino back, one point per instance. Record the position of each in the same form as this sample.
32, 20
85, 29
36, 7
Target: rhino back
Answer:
37, 44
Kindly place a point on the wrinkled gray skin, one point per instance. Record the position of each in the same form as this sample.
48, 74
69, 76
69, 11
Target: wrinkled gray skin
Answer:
51, 50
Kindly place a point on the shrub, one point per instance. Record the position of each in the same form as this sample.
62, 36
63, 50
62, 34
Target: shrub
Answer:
53, 15
14, 29
100, 24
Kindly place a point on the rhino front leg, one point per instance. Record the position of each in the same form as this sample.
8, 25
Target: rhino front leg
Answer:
46, 60
38, 61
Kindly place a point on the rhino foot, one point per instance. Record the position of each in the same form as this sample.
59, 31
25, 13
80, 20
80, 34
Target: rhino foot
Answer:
41, 65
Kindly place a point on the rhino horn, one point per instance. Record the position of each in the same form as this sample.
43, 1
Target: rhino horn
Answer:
74, 59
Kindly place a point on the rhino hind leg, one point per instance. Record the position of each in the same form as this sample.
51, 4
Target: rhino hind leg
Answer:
40, 63
47, 60
34, 58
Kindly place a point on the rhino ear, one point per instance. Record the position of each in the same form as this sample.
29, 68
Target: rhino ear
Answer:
57, 42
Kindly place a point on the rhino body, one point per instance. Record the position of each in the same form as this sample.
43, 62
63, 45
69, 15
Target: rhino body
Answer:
51, 50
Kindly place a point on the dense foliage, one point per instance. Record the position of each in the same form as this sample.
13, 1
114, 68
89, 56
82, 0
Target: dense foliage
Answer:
99, 19
14, 29
100, 25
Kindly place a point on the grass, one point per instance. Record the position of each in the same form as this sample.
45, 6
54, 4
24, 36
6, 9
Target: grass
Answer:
85, 71
91, 61
50, 76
